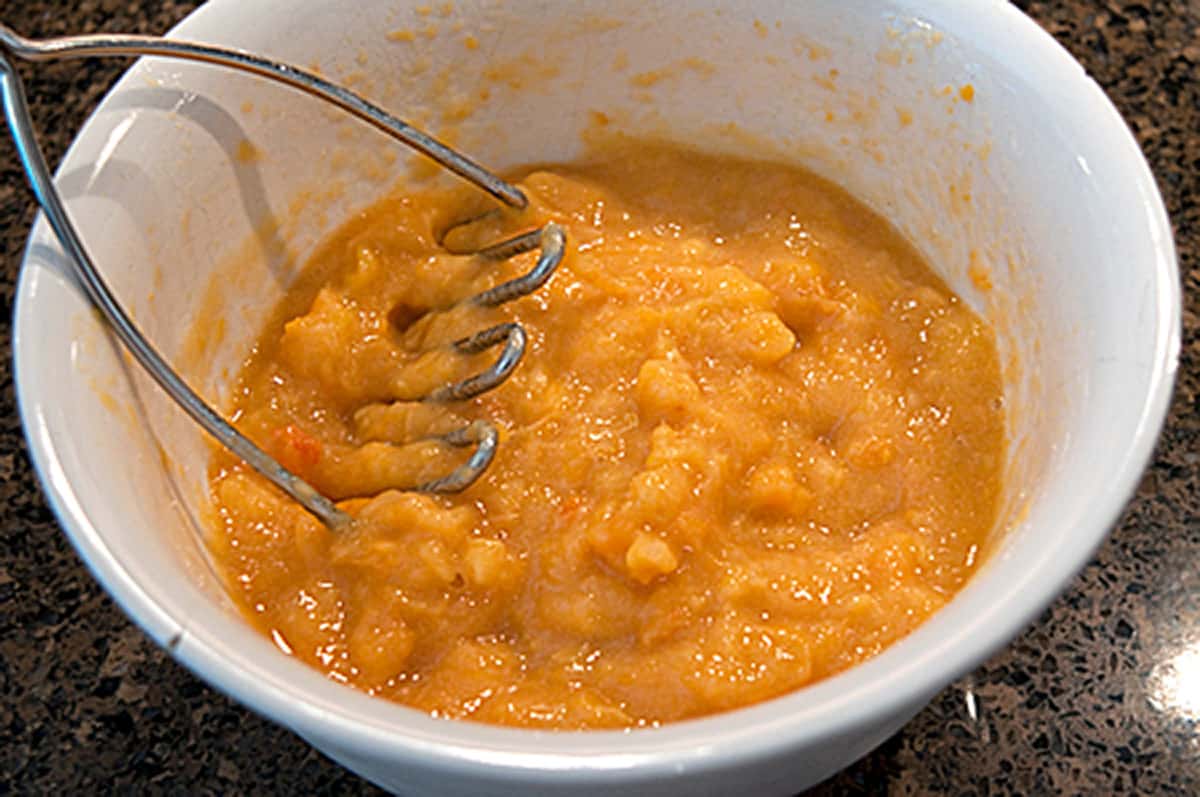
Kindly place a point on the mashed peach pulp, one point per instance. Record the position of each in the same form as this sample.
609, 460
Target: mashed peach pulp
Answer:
754, 441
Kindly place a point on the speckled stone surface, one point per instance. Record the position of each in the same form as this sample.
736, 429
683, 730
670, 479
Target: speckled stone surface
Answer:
1101, 696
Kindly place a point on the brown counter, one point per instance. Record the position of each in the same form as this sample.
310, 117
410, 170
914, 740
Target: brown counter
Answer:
1101, 696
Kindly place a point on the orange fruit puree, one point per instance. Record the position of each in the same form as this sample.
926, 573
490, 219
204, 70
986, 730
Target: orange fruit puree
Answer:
754, 441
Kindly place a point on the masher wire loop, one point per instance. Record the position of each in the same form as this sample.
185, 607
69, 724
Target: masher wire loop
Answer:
551, 239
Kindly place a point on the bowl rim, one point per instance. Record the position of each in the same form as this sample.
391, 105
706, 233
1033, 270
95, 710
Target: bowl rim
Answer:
827, 709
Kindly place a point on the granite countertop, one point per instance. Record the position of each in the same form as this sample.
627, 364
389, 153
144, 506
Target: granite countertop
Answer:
1100, 696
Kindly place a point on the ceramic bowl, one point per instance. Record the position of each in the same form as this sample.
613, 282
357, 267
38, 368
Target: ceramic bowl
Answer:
962, 122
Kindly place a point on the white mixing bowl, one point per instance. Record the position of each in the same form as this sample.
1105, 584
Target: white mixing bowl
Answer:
1029, 173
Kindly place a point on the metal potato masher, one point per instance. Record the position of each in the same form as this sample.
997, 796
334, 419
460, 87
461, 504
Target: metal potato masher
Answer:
509, 338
